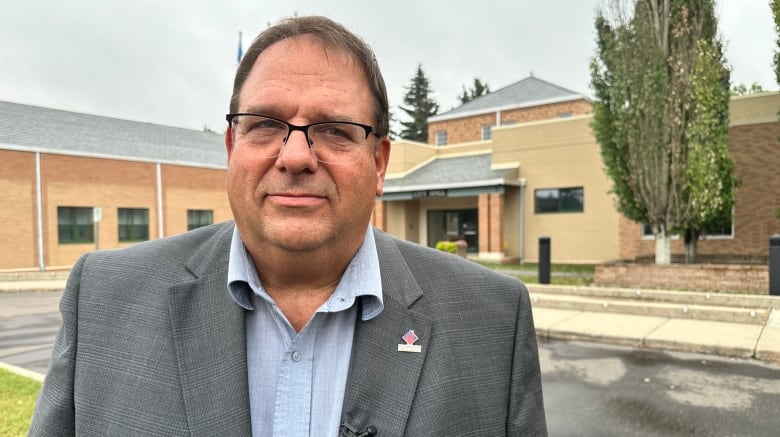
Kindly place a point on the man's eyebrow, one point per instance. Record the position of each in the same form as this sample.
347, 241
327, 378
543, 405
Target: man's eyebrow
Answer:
259, 109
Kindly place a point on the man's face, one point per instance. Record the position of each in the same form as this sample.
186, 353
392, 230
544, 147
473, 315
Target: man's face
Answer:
294, 202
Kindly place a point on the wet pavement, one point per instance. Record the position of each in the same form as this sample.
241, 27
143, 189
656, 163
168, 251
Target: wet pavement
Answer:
601, 390
590, 389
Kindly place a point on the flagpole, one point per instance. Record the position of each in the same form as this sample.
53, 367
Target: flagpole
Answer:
240, 48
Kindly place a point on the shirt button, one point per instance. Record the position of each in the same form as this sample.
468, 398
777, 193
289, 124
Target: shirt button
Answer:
296, 356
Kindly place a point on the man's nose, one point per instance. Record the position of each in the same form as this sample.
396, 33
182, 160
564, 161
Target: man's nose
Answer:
297, 155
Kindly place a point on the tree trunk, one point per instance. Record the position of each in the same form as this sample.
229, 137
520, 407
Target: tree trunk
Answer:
663, 249
691, 239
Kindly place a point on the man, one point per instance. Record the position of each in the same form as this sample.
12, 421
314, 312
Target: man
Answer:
300, 318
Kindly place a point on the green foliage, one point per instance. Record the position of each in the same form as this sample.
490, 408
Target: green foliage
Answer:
419, 107
660, 113
711, 182
742, 90
775, 5
478, 89
446, 246
17, 402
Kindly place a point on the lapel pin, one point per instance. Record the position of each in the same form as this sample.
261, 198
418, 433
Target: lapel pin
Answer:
410, 338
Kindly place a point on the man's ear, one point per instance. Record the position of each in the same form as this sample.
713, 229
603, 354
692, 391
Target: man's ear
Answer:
229, 141
382, 159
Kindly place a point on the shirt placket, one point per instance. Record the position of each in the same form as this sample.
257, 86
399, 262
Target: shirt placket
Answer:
292, 414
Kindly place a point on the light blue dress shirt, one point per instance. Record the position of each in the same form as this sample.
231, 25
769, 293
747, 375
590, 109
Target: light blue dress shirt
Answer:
297, 380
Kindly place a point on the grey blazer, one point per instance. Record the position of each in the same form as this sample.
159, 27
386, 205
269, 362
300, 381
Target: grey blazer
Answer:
151, 344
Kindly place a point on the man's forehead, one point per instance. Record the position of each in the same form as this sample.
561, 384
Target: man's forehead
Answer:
293, 45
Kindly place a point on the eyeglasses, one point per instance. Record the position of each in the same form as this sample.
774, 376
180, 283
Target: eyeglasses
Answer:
330, 142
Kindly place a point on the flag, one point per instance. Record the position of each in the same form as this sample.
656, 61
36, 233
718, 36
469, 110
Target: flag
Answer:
240, 49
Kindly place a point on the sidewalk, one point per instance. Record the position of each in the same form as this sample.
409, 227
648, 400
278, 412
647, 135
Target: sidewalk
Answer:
734, 325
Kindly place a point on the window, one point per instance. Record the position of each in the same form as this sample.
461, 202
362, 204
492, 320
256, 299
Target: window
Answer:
74, 225
487, 132
133, 224
197, 218
441, 137
552, 200
566, 114
727, 231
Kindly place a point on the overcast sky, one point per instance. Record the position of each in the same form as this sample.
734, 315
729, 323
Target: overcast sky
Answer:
172, 62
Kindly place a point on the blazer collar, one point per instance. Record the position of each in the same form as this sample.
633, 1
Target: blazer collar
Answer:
209, 335
382, 380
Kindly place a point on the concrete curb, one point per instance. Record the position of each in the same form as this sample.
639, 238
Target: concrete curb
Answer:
27, 286
662, 333
22, 372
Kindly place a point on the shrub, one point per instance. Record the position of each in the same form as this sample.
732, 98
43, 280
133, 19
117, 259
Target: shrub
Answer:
446, 246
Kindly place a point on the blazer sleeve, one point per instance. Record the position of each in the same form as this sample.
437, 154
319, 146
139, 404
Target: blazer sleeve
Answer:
526, 407
54, 412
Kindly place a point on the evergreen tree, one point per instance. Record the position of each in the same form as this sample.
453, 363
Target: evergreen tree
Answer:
479, 89
661, 116
419, 106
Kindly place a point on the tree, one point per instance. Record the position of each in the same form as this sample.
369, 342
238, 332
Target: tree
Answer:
775, 5
479, 89
661, 116
419, 107
741, 89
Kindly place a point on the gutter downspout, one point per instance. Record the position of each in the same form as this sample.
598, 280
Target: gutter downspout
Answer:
38, 211
522, 220
160, 229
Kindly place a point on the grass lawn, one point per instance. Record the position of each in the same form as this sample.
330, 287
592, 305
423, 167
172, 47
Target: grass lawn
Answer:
17, 400
560, 274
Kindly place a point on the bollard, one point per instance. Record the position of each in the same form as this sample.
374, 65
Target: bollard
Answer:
774, 265
544, 260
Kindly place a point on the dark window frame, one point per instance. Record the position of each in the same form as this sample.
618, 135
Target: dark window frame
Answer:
559, 200
138, 227
197, 218
79, 226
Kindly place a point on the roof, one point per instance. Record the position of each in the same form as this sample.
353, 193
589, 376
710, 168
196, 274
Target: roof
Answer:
451, 173
25, 127
530, 91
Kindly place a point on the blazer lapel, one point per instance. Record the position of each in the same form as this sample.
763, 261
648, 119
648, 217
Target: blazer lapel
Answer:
209, 335
382, 379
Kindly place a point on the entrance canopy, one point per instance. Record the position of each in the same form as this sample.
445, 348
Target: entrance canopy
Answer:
457, 176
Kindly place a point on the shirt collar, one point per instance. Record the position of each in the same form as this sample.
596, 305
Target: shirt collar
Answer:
361, 279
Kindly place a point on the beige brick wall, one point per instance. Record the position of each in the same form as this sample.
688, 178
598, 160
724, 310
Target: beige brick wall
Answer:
192, 188
92, 182
470, 128
17, 210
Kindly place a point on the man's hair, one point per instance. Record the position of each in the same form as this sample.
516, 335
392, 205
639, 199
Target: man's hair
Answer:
331, 34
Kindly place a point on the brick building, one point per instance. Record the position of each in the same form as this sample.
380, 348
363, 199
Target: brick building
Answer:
521, 163
539, 174
59, 171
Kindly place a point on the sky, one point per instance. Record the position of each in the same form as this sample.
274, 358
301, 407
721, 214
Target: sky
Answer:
172, 62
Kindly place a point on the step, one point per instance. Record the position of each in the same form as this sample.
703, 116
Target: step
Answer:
678, 310
669, 296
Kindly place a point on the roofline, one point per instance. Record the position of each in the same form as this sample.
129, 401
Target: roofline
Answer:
452, 185
34, 149
566, 98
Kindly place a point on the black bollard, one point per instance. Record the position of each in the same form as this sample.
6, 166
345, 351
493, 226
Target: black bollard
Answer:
774, 265
544, 260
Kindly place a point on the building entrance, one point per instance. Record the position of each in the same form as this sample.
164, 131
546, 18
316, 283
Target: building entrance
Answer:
451, 225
